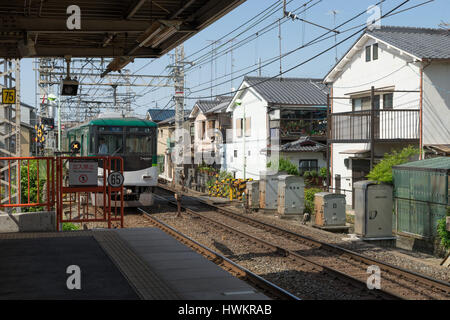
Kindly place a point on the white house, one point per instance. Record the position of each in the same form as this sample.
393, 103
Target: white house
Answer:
268, 113
407, 70
211, 122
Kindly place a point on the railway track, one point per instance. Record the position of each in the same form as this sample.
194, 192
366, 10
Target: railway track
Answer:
396, 282
238, 271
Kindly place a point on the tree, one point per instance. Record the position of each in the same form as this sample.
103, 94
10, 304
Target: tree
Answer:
382, 172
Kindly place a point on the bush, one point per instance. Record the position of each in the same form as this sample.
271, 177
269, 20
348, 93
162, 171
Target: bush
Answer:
309, 198
323, 172
68, 226
382, 172
285, 165
33, 184
443, 233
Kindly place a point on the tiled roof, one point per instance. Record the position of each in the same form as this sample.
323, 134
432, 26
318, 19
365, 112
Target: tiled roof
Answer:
171, 120
160, 114
304, 144
208, 106
420, 42
294, 91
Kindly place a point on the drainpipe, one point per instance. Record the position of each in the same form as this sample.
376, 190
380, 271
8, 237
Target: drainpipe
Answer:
421, 154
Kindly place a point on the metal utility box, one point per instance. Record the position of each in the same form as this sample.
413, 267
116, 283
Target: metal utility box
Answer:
268, 190
253, 194
373, 209
291, 195
329, 209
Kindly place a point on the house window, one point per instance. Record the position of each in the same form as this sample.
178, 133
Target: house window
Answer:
367, 53
388, 100
375, 51
364, 103
308, 165
235, 153
239, 123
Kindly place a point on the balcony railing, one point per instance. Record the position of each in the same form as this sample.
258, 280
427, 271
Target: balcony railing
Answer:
291, 127
389, 125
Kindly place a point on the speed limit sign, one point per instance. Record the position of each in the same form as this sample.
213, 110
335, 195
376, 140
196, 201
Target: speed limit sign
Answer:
115, 179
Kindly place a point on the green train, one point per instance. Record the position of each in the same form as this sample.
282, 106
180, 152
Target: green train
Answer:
133, 139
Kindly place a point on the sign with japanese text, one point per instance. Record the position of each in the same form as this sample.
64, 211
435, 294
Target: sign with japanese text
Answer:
83, 173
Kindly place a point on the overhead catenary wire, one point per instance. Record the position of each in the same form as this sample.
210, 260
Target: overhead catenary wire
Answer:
275, 58
305, 61
390, 13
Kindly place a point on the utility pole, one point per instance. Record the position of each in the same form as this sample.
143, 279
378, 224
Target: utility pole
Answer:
178, 73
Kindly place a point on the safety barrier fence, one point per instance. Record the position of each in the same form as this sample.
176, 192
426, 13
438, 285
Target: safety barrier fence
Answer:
76, 188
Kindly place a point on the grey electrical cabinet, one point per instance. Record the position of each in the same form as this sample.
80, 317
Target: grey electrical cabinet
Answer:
291, 195
373, 209
253, 194
268, 190
329, 209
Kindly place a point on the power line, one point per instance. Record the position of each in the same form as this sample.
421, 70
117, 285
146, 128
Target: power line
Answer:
306, 61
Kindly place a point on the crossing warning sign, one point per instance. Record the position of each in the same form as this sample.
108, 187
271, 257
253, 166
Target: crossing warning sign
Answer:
83, 173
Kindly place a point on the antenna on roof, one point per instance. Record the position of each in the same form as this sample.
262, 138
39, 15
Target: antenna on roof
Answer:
334, 13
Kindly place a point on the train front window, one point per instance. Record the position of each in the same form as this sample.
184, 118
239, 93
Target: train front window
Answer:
138, 144
110, 144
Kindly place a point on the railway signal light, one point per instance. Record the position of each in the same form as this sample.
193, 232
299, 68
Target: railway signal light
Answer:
49, 122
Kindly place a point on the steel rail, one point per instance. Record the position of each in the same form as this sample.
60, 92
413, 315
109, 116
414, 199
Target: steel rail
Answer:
223, 261
352, 281
387, 267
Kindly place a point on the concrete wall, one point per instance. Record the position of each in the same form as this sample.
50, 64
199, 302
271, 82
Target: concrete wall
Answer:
28, 222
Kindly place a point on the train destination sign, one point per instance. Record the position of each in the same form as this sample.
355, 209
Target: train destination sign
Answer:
83, 173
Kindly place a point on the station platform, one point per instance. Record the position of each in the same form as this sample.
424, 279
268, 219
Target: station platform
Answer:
135, 263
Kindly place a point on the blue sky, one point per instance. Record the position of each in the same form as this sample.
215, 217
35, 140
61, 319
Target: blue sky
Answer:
264, 47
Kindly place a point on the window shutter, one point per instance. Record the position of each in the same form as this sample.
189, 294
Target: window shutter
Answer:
238, 128
248, 127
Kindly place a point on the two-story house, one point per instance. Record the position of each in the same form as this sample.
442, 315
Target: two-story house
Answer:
166, 143
268, 113
391, 89
211, 122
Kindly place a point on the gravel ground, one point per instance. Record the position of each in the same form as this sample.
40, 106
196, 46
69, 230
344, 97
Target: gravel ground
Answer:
417, 262
391, 283
410, 260
302, 281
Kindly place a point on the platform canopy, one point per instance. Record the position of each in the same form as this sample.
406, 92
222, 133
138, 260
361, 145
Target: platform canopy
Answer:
108, 28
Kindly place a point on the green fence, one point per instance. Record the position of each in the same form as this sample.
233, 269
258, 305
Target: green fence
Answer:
421, 195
